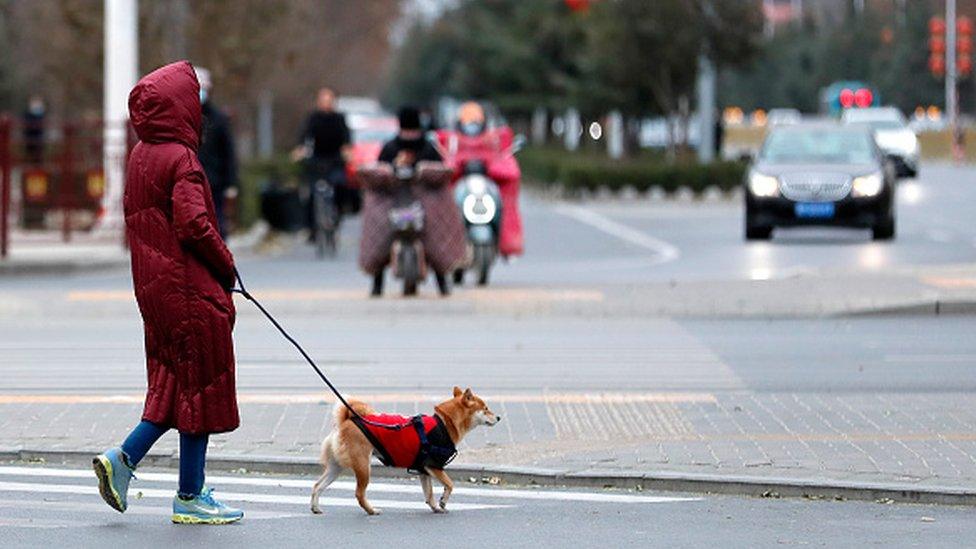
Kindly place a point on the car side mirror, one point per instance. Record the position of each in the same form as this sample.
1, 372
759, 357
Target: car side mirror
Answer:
891, 164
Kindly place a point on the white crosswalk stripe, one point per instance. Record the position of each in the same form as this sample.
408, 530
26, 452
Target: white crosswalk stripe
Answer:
374, 487
151, 493
49, 498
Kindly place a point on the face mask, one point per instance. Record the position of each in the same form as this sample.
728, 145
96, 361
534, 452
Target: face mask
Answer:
203, 96
471, 128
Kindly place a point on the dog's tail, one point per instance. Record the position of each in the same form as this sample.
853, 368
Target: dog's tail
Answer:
340, 413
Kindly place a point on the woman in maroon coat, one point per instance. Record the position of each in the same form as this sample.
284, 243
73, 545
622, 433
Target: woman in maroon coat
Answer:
182, 273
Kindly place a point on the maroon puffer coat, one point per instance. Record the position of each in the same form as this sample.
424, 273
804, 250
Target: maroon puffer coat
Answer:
180, 265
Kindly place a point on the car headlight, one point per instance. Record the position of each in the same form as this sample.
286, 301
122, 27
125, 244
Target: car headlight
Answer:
763, 185
867, 185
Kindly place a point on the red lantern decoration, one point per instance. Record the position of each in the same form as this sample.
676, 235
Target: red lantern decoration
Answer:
964, 45
578, 6
937, 46
964, 25
964, 64
937, 64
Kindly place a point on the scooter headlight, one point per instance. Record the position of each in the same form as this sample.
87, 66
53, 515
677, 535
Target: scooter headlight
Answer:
476, 184
479, 209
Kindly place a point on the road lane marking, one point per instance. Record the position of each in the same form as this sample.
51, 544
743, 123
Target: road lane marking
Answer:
665, 251
495, 295
940, 236
387, 398
151, 493
950, 282
499, 493
149, 510
961, 359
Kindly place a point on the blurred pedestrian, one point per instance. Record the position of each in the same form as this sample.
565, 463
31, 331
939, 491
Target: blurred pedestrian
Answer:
182, 274
216, 153
34, 130
324, 145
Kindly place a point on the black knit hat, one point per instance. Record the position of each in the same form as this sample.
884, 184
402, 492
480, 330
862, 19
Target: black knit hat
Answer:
409, 118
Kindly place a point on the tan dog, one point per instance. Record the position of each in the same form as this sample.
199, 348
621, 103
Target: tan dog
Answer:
346, 447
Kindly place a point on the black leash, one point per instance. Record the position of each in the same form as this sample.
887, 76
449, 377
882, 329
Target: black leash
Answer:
243, 291
441, 455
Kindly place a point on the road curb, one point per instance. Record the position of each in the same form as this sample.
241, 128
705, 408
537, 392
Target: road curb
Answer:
738, 485
938, 307
60, 267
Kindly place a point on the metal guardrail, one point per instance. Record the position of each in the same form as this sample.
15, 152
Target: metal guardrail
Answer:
50, 175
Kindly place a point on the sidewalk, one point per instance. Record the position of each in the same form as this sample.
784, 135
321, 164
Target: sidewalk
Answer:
45, 252
916, 441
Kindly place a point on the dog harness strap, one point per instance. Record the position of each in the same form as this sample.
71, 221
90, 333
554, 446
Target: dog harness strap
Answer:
384, 455
436, 447
442, 450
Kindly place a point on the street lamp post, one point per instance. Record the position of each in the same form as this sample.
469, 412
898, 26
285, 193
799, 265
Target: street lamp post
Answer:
121, 69
951, 91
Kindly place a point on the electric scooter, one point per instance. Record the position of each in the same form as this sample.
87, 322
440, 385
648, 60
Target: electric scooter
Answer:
480, 202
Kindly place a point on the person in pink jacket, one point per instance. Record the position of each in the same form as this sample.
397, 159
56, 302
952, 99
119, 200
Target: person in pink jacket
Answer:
473, 140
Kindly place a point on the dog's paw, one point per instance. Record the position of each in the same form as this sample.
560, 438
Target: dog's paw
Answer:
439, 510
316, 510
374, 511
442, 507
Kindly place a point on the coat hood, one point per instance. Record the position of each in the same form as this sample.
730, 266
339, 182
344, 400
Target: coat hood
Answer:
165, 106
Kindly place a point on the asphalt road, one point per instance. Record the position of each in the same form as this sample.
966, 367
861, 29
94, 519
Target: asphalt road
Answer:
81, 335
60, 507
398, 345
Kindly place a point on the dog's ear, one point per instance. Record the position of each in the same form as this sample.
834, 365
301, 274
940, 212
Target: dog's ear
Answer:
457, 391
468, 395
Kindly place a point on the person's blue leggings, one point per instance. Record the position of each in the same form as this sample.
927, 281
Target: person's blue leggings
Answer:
193, 454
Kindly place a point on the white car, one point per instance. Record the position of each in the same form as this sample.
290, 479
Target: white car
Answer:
783, 117
892, 134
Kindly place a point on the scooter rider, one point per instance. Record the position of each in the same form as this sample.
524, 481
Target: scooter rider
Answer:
407, 149
474, 140
324, 143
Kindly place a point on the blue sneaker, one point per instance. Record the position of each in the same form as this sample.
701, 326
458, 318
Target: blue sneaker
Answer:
204, 509
113, 475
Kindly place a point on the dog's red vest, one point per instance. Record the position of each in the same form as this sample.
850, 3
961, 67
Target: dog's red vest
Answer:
397, 440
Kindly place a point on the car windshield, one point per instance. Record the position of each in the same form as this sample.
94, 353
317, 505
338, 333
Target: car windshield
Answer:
885, 124
819, 145
878, 119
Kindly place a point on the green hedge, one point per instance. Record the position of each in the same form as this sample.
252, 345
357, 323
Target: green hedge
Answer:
254, 175
587, 171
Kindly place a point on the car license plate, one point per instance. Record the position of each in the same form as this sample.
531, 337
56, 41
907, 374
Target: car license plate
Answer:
816, 210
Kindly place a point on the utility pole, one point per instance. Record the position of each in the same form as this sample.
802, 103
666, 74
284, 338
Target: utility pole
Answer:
121, 69
706, 109
951, 91
179, 16
706, 88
